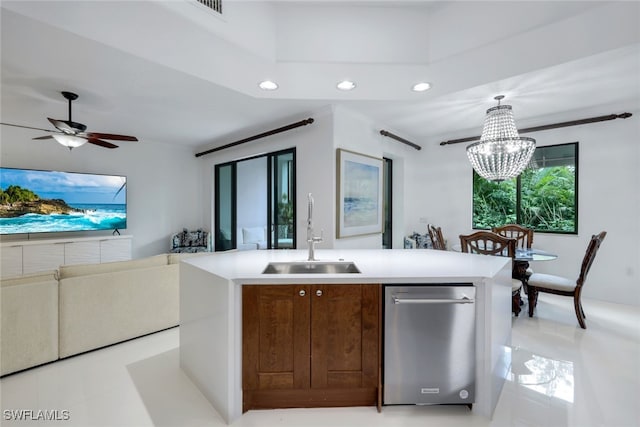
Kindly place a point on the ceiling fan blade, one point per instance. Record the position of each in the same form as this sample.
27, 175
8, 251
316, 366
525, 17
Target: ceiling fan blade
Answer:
67, 126
44, 137
111, 136
101, 143
28, 127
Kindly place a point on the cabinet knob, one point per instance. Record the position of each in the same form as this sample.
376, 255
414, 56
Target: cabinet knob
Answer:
302, 293
319, 293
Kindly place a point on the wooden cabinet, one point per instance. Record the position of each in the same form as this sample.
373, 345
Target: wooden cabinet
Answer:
310, 345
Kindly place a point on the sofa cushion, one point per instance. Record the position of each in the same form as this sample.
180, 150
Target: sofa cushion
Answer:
29, 319
253, 234
104, 309
41, 276
67, 271
175, 258
549, 281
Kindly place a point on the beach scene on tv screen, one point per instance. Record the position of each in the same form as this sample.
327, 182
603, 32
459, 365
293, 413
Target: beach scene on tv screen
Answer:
33, 201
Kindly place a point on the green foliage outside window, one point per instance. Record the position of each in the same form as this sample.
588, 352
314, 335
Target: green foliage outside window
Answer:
542, 198
494, 203
548, 199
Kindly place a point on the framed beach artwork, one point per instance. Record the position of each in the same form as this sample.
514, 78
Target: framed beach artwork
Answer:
359, 194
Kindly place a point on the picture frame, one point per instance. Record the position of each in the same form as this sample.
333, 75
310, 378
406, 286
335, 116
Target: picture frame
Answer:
359, 194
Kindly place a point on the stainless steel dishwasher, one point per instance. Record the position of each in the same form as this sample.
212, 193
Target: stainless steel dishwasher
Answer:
429, 344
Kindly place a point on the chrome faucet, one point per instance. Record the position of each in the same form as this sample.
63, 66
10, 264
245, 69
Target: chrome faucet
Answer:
311, 239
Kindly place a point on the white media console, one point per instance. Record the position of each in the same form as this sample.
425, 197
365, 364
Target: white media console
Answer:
31, 256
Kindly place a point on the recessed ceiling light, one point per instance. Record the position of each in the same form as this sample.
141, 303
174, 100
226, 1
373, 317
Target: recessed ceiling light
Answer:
421, 87
346, 85
268, 85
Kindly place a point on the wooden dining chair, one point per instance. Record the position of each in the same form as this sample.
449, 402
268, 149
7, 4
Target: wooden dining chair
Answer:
558, 285
523, 235
488, 243
524, 240
436, 238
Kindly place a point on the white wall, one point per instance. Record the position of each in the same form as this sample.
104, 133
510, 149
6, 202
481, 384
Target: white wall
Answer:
439, 189
314, 152
162, 182
167, 191
316, 167
360, 134
316, 146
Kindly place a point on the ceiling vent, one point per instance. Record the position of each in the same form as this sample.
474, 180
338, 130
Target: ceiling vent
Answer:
213, 4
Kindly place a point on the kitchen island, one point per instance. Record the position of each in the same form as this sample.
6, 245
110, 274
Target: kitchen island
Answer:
211, 317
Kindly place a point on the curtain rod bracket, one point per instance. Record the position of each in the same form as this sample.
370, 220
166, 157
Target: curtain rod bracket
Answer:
397, 138
551, 126
258, 136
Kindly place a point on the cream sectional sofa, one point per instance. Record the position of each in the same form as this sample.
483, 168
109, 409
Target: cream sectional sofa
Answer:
29, 328
83, 307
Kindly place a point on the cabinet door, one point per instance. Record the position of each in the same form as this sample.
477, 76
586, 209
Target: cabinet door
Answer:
115, 250
345, 336
82, 252
42, 257
310, 346
11, 261
275, 324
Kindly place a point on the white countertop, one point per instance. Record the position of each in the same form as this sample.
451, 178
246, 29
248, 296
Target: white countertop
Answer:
376, 266
211, 309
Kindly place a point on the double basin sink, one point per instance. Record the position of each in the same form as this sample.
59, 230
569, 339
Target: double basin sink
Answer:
311, 267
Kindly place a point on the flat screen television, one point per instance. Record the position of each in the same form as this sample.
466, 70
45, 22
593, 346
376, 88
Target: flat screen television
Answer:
39, 201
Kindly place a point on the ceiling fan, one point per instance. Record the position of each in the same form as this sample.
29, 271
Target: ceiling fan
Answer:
72, 134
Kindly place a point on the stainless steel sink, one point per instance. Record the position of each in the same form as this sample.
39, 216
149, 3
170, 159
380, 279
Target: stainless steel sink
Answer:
311, 267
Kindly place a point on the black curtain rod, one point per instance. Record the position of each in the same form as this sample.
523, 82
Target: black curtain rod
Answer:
397, 138
261, 135
552, 126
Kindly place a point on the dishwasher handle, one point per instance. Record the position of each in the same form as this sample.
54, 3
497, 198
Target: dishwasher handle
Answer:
464, 300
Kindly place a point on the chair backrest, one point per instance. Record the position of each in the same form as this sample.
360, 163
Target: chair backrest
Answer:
589, 256
488, 243
187, 238
523, 235
436, 238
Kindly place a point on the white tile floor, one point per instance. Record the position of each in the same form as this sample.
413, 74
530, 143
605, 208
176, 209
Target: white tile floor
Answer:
561, 376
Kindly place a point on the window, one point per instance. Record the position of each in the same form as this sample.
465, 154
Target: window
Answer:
252, 194
544, 197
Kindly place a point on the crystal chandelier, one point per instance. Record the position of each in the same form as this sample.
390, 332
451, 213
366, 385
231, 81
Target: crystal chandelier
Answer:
501, 153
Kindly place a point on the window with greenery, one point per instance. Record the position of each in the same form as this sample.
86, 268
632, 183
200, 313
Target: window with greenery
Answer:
544, 197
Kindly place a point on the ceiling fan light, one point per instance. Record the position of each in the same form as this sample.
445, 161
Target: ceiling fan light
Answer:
421, 87
346, 85
268, 85
69, 141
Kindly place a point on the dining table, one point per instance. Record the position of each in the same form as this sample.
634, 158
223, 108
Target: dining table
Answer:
526, 255
522, 259
521, 262
521, 265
